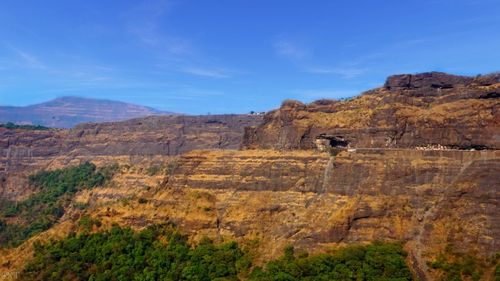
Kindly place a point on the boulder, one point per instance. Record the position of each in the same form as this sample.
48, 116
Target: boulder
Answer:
437, 80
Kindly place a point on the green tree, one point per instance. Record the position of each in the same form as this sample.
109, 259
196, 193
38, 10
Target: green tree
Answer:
41, 210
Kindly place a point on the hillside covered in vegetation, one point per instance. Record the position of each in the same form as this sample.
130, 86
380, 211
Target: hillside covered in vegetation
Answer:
21, 220
162, 253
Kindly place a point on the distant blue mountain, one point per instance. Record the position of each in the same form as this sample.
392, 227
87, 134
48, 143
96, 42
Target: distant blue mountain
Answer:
66, 112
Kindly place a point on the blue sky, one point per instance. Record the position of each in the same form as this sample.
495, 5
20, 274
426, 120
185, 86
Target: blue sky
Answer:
232, 56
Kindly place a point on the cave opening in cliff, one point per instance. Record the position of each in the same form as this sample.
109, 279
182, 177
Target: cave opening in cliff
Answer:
338, 142
325, 142
470, 147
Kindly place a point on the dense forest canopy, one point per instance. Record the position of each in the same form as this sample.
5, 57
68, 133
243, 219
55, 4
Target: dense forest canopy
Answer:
162, 253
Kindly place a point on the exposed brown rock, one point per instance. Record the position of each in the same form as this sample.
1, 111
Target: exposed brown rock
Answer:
162, 135
405, 177
429, 109
427, 80
24, 151
154, 135
426, 199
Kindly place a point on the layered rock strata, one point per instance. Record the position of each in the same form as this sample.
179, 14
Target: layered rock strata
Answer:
409, 111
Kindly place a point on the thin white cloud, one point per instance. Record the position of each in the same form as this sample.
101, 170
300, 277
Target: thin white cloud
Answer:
346, 73
390, 50
104, 67
143, 22
29, 60
211, 73
170, 53
101, 78
151, 37
290, 50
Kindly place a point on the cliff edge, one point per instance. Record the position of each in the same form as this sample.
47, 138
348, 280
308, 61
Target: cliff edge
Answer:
410, 111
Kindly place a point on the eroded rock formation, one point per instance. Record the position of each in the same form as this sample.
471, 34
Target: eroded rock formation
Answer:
430, 200
409, 111
406, 172
24, 151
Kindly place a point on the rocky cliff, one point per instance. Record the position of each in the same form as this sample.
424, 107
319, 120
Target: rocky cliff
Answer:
431, 201
409, 111
25, 151
409, 173
435, 197
154, 135
165, 135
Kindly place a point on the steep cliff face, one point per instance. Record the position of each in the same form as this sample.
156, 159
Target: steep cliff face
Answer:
154, 135
24, 151
390, 193
380, 189
165, 135
409, 111
430, 200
